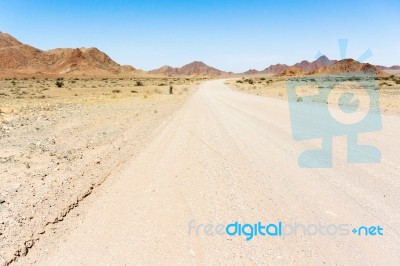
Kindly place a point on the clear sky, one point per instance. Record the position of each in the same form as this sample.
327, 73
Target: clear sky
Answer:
230, 35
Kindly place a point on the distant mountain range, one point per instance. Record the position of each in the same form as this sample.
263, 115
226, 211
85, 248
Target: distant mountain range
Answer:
323, 65
21, 60
396, 67
194, 68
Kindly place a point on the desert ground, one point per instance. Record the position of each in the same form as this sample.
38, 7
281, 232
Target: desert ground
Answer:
58, 143
207, 154
271, 86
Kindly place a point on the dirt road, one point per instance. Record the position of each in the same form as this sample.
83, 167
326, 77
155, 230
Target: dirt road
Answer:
229, 157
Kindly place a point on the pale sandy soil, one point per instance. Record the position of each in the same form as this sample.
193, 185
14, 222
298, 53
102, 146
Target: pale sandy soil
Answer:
275, 87
394, 72
58, 144
225, 156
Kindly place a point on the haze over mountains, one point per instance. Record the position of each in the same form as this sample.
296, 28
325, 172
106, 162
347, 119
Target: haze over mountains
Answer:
21, 60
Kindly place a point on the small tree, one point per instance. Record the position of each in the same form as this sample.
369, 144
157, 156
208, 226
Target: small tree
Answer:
59, 83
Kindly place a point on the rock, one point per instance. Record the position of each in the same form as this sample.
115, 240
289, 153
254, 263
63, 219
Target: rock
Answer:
16, 188
7, 119
6, 110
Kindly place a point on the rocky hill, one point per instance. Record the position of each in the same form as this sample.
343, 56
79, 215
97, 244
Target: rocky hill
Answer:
301, 67
195, 68
274, 69
292, 71
21, 60
323, 65
346, 66
307, 66
395, 67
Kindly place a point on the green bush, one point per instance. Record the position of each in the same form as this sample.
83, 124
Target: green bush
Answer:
59, 83
250, 81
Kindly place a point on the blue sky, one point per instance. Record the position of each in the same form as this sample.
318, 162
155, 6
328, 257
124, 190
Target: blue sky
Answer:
230, 35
